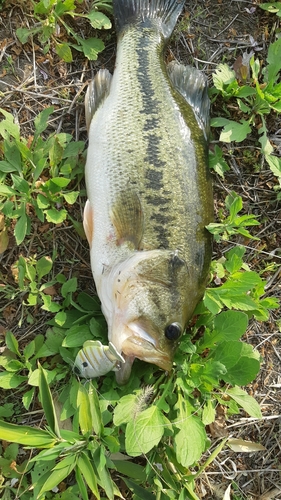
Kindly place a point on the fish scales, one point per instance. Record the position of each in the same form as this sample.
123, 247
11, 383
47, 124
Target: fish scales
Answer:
149, 190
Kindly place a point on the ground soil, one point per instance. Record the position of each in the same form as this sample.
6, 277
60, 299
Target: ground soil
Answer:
209, 32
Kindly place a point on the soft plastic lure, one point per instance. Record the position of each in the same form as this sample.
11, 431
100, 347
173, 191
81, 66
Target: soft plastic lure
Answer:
96, 359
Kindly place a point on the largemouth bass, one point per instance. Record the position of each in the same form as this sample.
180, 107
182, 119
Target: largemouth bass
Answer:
148, 187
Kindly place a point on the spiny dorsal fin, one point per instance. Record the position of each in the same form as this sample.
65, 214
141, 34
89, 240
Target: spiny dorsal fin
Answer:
192, 85
97, 91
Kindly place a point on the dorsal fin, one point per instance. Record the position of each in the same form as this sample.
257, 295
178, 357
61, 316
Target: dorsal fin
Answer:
192, 85
97, 91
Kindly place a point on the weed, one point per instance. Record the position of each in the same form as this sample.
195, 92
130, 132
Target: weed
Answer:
36, 173
51, 17
254, 102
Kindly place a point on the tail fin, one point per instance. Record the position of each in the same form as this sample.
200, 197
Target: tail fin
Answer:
139, 11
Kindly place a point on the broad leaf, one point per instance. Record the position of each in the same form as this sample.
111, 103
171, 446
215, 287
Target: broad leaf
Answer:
247, 402
144, 431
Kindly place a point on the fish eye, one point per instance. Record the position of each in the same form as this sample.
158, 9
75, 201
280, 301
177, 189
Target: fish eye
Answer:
173, 331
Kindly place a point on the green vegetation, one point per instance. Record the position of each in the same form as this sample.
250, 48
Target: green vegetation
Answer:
52, 17
256, 96
150, 435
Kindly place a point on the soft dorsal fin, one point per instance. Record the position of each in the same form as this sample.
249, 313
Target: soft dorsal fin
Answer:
97, 91
192, 85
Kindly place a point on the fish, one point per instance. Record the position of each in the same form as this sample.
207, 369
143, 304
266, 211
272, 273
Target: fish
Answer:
96, 359
148, 187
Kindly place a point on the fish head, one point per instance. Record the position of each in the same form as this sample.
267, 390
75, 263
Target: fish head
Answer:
152, 302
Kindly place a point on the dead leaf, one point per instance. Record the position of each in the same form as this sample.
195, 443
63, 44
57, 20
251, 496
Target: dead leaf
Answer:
226, 495
2, 221
4, 240
218, 429
63, 424
271, 495
50, 290
240, 445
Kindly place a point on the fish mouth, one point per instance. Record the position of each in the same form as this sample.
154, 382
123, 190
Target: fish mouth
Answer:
145, 350
145, 346
135, 342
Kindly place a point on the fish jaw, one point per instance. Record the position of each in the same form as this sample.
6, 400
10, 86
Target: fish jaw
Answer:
133, 342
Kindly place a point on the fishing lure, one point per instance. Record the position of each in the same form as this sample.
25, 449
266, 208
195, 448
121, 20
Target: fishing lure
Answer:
96, 359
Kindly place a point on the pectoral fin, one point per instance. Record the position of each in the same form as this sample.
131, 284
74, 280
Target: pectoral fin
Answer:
192, 85
127, 219
97, 91
88, 222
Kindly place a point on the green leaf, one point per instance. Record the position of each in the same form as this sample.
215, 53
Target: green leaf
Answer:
42, 201
217, 161
273, 59
234, 260
139, 491
275, 164
247, 402
209, 413
95, 409
27, 398
71, 197
91, 47
98, 20
88, 473
9, 380
124, 410
230, 325
60, 318
235, 131
33, 378
6, 410
69, 286
212, 302
222, 76
81, 484
21, 227
56, 216
43, 267
76, 336
12, 343
49, 305
245, 303
57, 182
41, 120
130, 469
83, 404
60, 472
64, 52
145, 431
8, 126
190, 441
241, 361
47, 402
28, 436
23, 34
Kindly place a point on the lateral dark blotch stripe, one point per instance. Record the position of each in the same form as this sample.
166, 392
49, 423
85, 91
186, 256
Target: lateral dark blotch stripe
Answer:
161, 218
157, 201
154, 177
